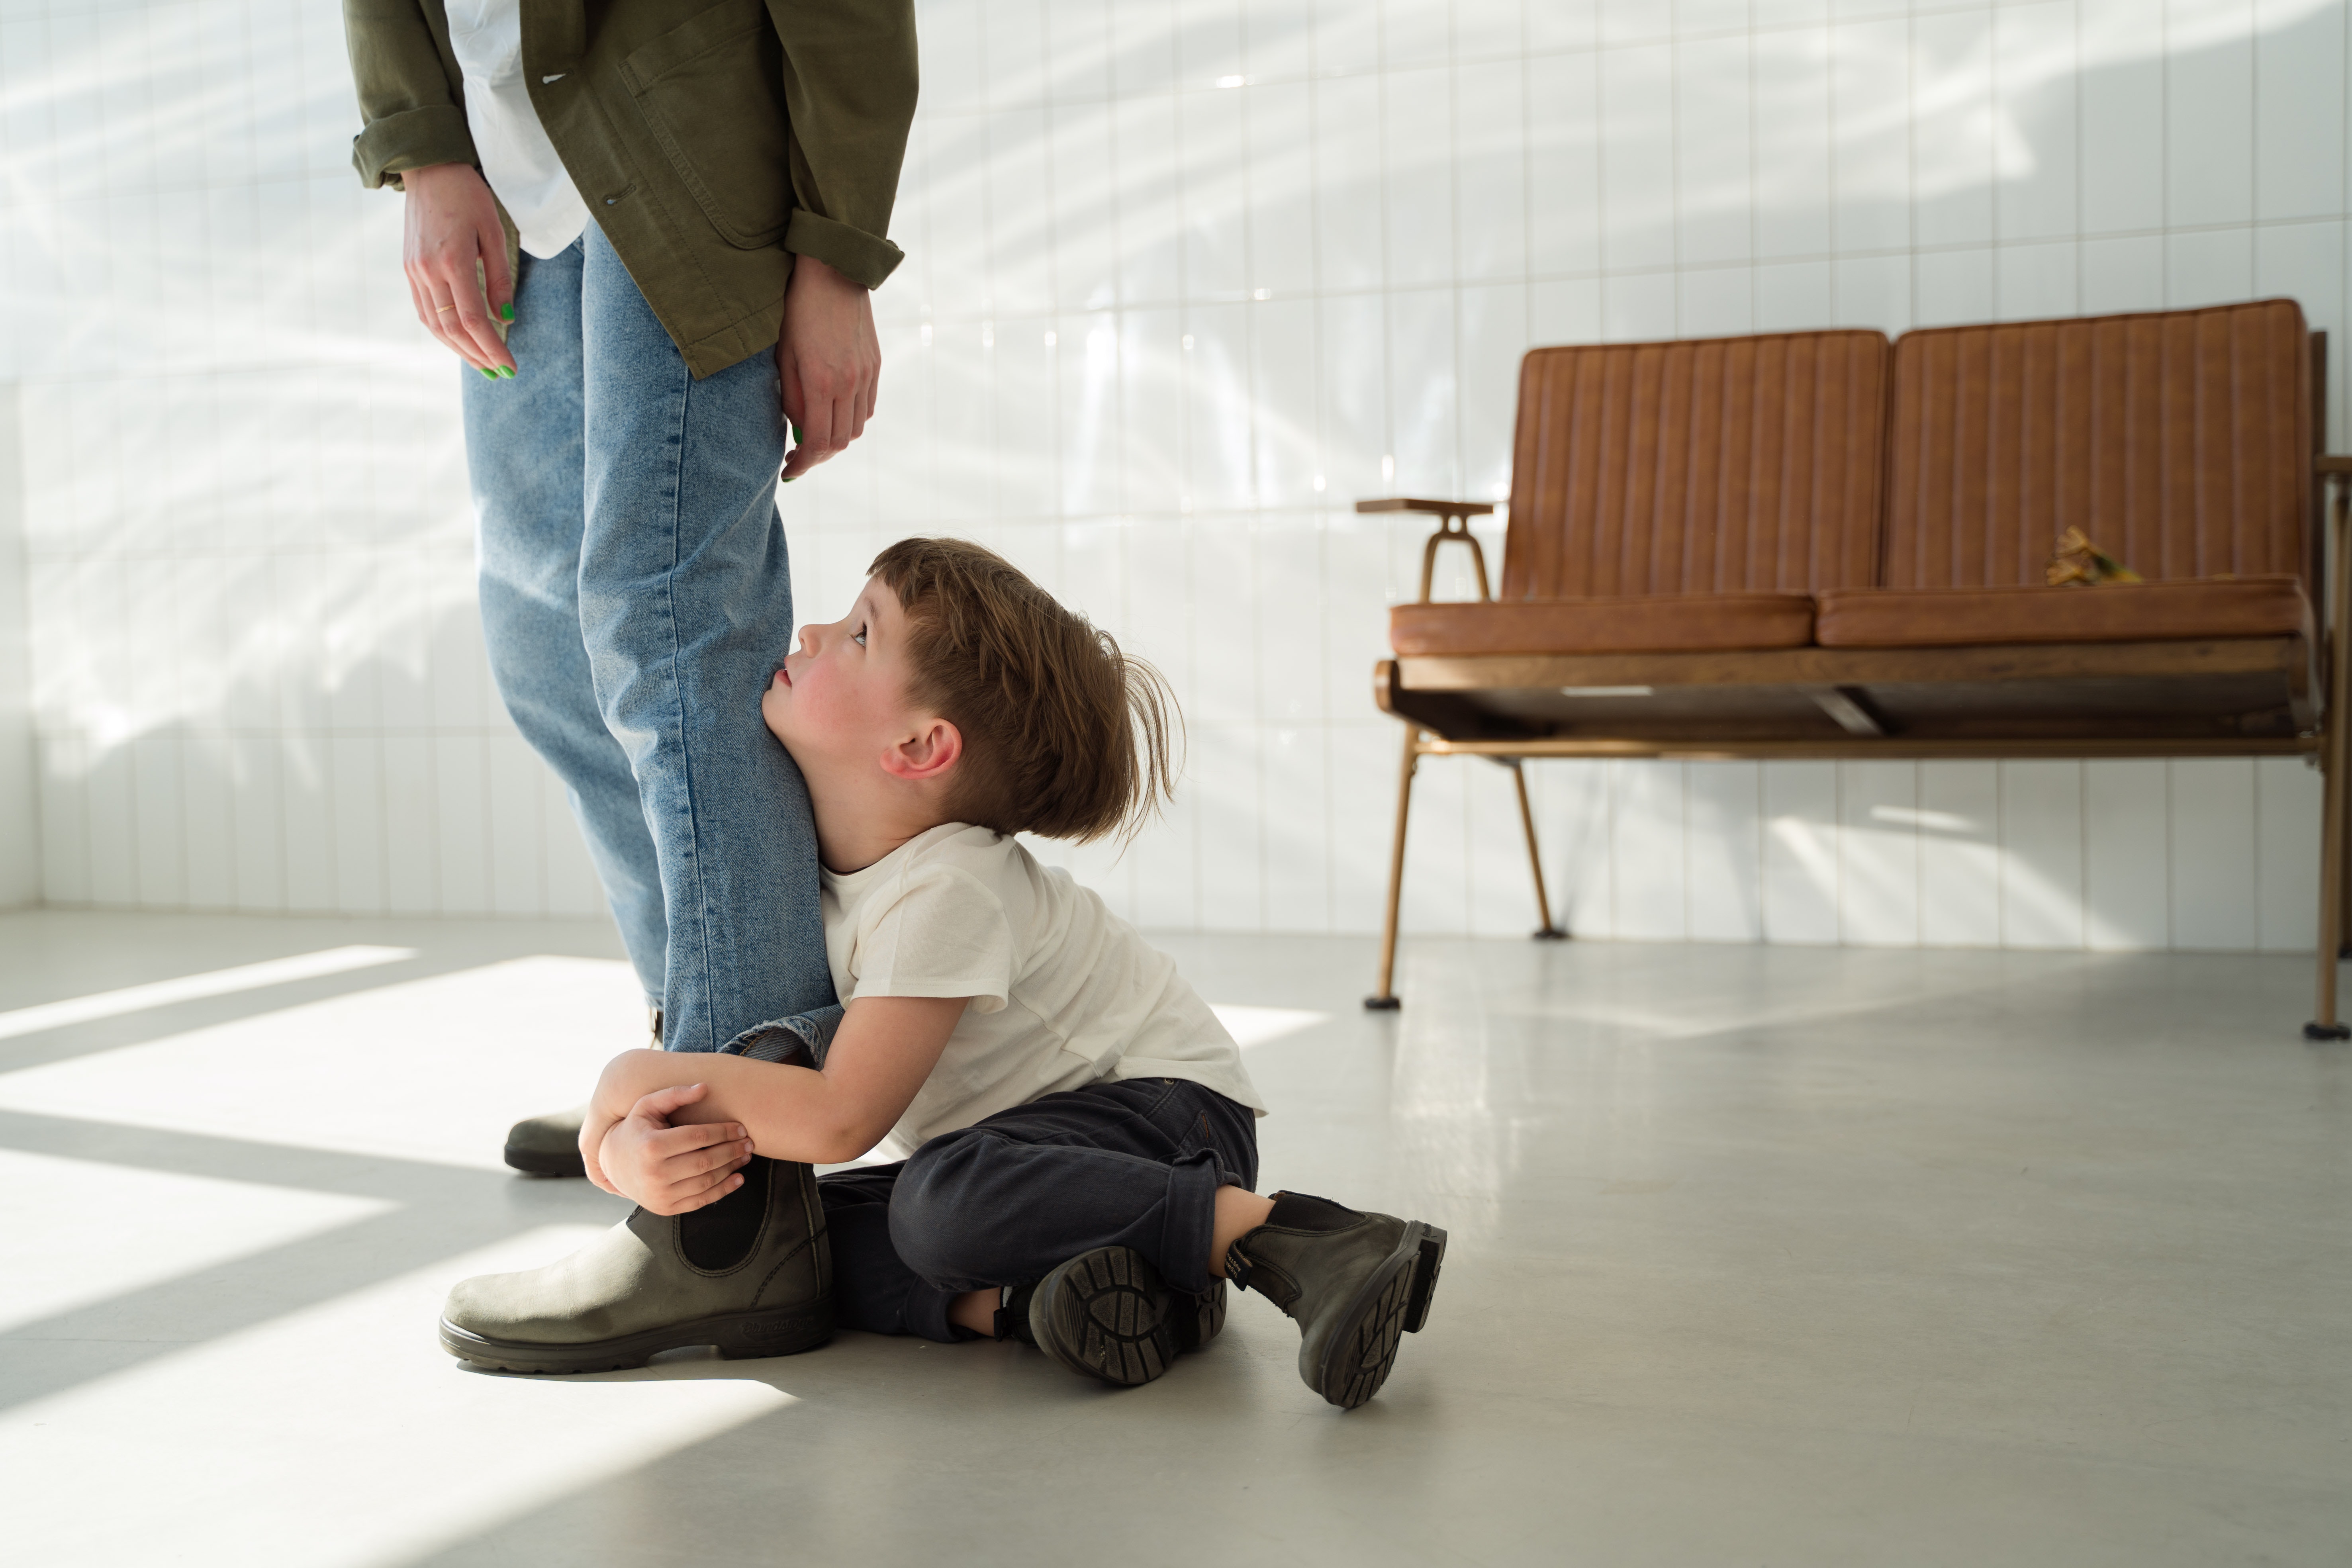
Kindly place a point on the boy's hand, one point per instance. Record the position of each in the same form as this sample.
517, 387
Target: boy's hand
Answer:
671, 1169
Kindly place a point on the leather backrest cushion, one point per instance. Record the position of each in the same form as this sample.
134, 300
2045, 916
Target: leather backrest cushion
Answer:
1723, 465
2179, 441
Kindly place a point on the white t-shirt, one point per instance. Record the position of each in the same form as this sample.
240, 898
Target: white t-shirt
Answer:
1065, 993
517, 160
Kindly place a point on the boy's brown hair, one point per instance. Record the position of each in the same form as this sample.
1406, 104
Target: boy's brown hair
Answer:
1063, 735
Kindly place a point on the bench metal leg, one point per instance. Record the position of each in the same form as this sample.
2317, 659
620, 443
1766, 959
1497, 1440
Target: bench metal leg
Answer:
1545, 930
2333, 754
2323, 1025
1385, 999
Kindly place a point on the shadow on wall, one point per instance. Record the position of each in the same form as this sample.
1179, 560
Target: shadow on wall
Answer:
424, 801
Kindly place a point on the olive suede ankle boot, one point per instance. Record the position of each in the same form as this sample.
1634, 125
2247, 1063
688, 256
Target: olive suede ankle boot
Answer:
751, 1273
1353, 1282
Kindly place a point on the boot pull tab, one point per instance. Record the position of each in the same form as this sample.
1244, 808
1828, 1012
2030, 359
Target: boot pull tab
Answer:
1237, 1267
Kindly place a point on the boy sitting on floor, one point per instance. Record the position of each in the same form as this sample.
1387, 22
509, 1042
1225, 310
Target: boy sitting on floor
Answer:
1075, 1138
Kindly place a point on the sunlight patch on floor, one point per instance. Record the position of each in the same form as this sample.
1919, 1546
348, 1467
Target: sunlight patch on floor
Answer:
156, 1226
342, 1437
434, 1069
191, 987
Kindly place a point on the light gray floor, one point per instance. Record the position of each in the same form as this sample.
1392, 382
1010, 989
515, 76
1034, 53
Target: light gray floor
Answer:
1758, 1256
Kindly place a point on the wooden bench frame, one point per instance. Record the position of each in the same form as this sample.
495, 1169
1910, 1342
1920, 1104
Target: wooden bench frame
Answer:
1437, 700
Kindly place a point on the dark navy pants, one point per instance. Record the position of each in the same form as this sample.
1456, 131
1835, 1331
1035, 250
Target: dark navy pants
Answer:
1136, 1163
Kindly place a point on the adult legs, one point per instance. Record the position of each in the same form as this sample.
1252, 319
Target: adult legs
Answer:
1136, 1163
686, 609
523, 450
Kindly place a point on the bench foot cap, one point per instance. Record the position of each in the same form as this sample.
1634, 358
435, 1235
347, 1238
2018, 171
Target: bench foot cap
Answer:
1383, 1003
2328, 1031
1551, 933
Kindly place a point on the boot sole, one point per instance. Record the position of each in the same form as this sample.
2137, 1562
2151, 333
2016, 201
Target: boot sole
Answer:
1106, 1314
540, 1163
1197, 1319
739, 1336
1392, 1302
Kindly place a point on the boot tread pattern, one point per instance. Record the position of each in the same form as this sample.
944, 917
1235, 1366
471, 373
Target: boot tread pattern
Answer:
1366, 1356
1371, 1350
1110, 1317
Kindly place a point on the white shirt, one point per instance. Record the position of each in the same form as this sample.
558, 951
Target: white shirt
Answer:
1064, 993
517, 160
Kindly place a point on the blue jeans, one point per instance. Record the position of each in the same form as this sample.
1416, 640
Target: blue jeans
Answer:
636, 599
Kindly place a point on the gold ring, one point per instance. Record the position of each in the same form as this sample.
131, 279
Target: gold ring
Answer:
445, 310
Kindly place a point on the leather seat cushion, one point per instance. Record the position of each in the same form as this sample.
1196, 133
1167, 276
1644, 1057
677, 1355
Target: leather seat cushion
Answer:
2130, 612
1650, 622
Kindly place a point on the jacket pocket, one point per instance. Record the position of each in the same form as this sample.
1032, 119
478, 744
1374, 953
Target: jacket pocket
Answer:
712, 92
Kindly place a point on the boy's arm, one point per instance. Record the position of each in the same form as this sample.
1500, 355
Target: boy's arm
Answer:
884, 1048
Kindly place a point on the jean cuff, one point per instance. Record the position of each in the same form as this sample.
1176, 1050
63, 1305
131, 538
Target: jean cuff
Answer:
1192, 1223
925, 1314
803, 1036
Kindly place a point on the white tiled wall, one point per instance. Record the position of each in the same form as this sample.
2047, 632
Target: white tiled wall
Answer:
1185, 281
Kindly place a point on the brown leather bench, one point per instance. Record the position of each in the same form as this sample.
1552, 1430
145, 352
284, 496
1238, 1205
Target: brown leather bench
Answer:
1819, 544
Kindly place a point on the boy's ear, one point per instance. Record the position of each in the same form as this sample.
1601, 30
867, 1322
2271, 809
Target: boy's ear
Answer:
927, 754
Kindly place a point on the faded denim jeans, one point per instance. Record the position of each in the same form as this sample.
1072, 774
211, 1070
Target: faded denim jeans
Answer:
636, 599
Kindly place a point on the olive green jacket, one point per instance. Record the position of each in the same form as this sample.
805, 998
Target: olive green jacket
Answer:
712, 141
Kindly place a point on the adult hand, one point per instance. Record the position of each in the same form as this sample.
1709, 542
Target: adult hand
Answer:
452, 229
829, 360
673, 1169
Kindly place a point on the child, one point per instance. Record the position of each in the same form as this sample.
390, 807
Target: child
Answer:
1074, 1134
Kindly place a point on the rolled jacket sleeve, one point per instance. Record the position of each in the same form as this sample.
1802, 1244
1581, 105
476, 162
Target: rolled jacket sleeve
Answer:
411, 105
850, 82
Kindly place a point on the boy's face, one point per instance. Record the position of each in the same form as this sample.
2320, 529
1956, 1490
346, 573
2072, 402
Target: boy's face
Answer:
841, 697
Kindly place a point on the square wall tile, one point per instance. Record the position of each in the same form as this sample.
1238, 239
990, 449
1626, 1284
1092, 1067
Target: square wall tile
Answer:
2035, 113
1490, 184
2042, 866
1724, 865
2213, 858
2287, 794
1417, 169
1564, 223
2121, 275
2126, 854
1954, 287
2209, 99
1714, 169
1956, 127
1637, 158
2298, 112
2121, 92
2035, 282
2209, 266
1801, 853
1873, 151
1796, 296
1959, 827
1649, 841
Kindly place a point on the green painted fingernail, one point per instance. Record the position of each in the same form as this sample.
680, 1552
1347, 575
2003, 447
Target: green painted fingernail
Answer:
506, 313
797, 436
506, 371
487, 374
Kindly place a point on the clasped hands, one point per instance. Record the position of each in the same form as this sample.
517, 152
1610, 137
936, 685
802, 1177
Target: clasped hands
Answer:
666, 1165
